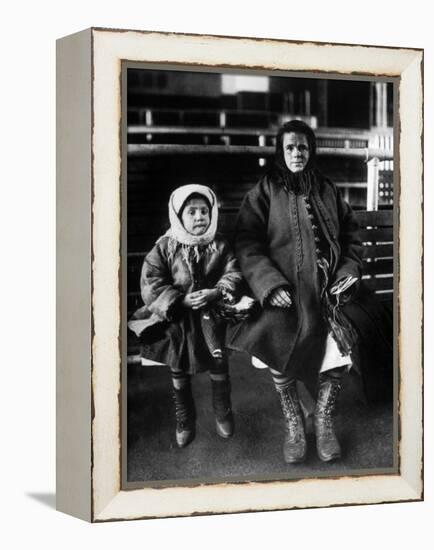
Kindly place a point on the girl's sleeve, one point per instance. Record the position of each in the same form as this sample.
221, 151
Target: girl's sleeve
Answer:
251, 245
350, 263
156, 284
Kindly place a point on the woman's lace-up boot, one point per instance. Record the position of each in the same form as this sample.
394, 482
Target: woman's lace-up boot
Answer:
327, 444
294, 446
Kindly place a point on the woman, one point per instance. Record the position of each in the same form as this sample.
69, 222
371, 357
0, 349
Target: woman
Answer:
297, 244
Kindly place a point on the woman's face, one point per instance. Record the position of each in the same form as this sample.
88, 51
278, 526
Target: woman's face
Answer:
295, 151
196, 217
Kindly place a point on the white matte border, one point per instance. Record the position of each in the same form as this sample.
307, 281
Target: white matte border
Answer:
109, 49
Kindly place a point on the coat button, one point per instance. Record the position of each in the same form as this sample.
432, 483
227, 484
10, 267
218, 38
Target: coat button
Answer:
314, 227
317, 250
317, 239
308, 205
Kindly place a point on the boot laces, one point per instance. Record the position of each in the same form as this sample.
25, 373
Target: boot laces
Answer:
183, 411
181, 416
328, 409
291, 414
221, 400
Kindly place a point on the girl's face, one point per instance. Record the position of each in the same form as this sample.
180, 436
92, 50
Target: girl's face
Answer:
196, 217
295, 151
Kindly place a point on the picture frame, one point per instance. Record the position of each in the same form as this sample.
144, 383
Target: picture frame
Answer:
90, 337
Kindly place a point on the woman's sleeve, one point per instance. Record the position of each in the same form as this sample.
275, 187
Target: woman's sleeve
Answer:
350, 263
231, 279
251, 244
156, 284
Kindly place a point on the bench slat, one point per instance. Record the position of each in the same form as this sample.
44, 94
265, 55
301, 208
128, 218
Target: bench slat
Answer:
382, 235
383, 218
378, 251
378, 267
379, 283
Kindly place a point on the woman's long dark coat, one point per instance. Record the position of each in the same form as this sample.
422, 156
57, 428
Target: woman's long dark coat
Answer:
269, 248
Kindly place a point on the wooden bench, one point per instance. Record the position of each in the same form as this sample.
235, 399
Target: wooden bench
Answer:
376, 232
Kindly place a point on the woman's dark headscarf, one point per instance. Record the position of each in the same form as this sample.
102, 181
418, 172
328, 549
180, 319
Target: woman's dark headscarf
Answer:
298, 182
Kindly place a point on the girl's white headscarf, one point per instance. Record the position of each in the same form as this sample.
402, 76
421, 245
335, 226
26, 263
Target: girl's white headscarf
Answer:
177, 231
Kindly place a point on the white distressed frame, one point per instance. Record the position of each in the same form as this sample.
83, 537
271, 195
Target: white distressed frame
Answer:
109, 48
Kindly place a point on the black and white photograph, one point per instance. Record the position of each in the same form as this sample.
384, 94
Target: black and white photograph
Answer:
259, 312
186, 366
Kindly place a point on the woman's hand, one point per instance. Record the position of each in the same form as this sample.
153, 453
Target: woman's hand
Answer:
200, 298
280, 297
344, 289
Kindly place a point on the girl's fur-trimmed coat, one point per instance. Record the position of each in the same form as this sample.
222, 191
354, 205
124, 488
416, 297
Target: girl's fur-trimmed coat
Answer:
166, 328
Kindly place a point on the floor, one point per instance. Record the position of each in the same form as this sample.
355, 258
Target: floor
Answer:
255, 451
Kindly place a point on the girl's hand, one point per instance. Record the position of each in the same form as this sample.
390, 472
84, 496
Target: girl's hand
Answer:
188, 300
280, 297
200, 298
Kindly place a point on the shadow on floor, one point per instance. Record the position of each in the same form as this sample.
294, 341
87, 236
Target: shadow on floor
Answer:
255, 450
47, 499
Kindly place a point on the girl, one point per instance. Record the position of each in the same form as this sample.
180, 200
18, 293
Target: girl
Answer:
185, 278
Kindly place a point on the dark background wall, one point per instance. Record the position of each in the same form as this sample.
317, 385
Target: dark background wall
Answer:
178, 120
